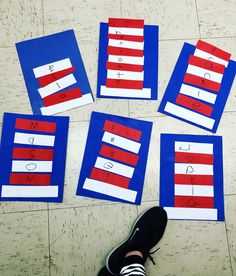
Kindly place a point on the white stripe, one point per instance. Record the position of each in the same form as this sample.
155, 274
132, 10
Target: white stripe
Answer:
114, 167
136, 268
194, 147
121, 142
194, 190
108, 189
126, 59
126, 44
198, 93
124, 75
31, 166
204, 73
189, 115
51, 68
205, 55
125, 31
186, 168
34, 139
29, 191
123, 92
191, 213
57, 85
60, 107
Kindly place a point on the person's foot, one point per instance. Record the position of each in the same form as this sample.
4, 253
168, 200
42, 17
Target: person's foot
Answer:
146, 233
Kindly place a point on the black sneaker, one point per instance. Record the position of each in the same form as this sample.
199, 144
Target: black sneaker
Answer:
104, 272
146, 233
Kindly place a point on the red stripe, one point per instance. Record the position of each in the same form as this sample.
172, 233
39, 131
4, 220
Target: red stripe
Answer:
194, 201
122, 130
120, 155
126, 23
206, 64
35, 125
194, 104
118, 83
199, 81
30, 178
111, 50
63, 96
136, 38
194, 158
211, 49
45, 80
124, 66
110, 178
193, 179
32, 154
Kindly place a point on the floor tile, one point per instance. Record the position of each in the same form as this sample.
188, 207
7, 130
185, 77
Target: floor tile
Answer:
24, 244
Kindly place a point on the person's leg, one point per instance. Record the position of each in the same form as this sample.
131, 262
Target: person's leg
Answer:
130, 256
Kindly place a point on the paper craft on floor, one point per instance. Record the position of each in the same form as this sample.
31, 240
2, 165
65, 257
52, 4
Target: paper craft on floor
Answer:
54, 73
128, 60
115, 158
33, 157
191, 177
199, 86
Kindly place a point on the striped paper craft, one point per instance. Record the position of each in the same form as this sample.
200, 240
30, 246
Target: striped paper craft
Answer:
33, 154
191, 177
115, 157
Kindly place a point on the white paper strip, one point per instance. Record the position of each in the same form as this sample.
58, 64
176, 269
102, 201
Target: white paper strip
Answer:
205, 55
125, 31
126, 59
128, 93
108, 189
57, 85
126, 44
125, 75
194, 147
29, 191
191, 213
51, 68
121, 142
194, 190
114, 167
56, 108
189, 115
198, 93
186, 168
34, 139
204, 73
31, 166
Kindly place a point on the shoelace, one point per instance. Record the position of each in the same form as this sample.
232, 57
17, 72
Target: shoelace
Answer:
150, 257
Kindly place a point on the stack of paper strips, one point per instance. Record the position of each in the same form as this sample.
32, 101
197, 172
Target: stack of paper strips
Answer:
33, 156
128, 60
54, 73
115, 158
199, 86
191, 177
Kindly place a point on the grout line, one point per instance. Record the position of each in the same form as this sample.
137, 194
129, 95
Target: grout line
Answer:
49, 247
43, 15
199, 29
227, 238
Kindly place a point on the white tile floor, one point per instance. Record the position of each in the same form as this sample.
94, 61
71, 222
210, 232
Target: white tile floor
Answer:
73, 238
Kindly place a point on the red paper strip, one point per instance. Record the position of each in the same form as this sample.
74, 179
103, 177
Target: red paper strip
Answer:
128, 84
110, 178
120, 155
122, 130
111, 50
206, 64
202, 82
35, 125
193, 179
63, 96
194, 104
32, 154
136, 38
194, 201
124, 66
30, 178
194, 158
126, 23
211, 49
45, 80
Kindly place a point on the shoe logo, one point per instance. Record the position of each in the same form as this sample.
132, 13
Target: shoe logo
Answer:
135, 231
